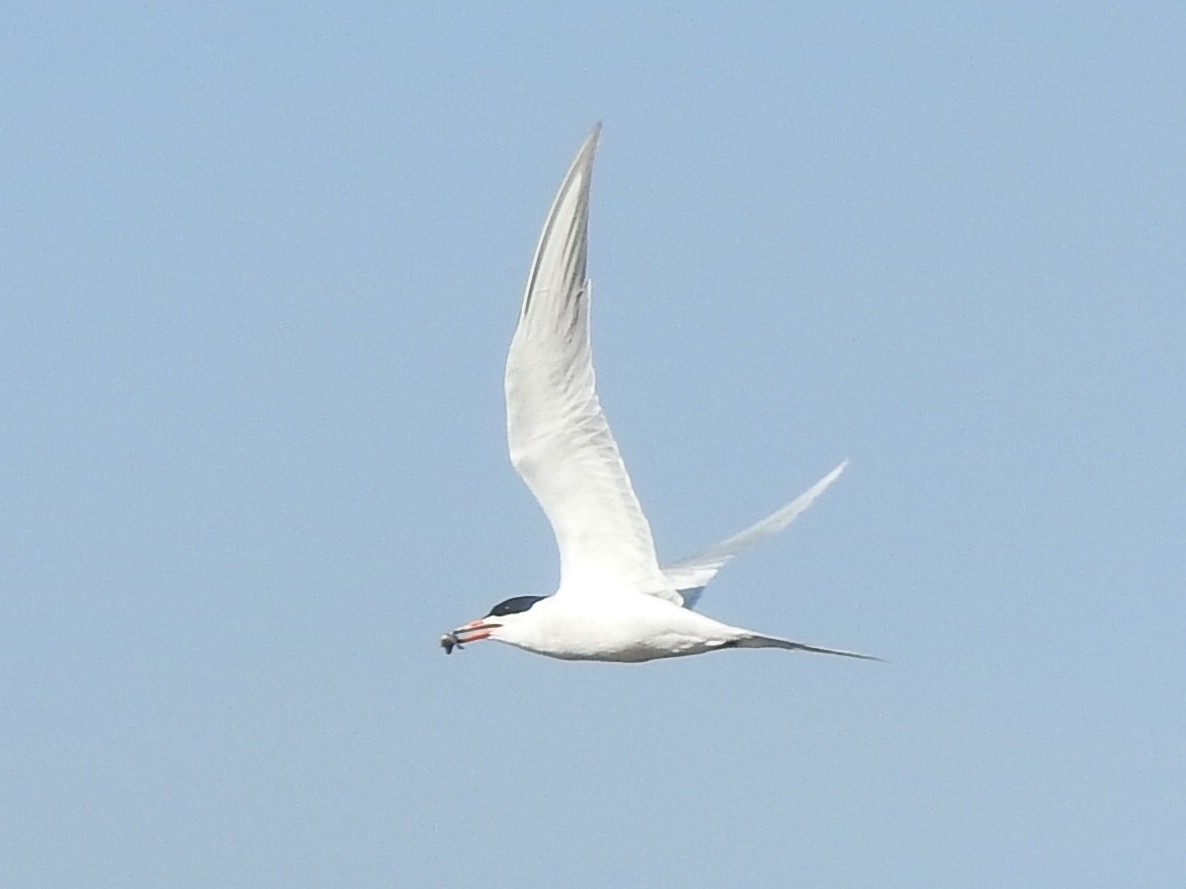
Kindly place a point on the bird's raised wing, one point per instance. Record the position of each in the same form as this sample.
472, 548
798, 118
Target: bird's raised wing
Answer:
559, 439
690, 576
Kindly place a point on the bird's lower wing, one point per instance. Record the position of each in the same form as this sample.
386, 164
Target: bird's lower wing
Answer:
691, 575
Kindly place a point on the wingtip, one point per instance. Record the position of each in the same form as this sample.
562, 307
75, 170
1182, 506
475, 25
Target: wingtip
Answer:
582, 165
824, 483
589, 146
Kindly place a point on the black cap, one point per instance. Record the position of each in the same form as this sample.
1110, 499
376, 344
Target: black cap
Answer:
514, 606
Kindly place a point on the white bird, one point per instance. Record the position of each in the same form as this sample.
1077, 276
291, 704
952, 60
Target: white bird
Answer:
614, 602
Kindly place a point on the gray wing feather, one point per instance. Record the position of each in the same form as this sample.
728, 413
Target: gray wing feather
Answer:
691, 575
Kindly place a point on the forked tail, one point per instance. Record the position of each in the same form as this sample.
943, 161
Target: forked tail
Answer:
753, 640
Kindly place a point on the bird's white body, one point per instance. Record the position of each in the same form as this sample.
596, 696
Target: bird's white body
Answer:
616, 627
615, 602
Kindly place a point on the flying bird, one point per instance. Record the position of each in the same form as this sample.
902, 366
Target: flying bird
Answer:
614, 601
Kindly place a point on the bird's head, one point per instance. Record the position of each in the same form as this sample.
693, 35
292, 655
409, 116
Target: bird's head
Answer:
504, 622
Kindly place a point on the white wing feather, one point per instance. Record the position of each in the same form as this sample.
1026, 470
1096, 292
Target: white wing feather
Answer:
560, 442
691, 575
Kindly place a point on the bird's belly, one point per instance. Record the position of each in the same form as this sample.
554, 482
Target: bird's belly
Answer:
667, 631
628, 651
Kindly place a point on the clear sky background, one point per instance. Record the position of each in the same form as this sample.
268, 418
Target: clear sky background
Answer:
259, 267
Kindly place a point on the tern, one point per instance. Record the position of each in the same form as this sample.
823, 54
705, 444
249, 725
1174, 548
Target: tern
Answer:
614, 601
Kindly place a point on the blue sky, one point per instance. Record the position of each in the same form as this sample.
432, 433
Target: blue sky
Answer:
259, 269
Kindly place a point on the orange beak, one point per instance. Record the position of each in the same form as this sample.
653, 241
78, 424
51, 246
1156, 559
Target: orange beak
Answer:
474, 631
